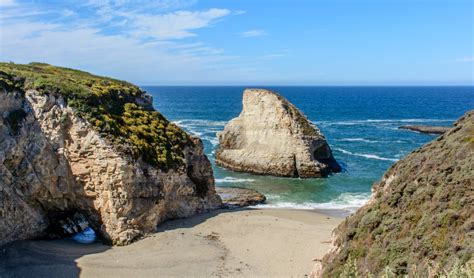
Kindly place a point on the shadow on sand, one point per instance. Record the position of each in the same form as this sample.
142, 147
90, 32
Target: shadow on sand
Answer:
190, 222
58, 258
45, 258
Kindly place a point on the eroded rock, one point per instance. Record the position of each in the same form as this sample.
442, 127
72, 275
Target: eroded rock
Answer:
240, 197
54, 162
272, 137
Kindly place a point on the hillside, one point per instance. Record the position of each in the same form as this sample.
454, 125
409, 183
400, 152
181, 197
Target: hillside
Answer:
420, 218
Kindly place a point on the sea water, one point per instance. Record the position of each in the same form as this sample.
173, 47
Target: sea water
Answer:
360, 124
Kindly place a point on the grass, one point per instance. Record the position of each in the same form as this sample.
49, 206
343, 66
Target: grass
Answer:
118, 110
431, 269
420, 216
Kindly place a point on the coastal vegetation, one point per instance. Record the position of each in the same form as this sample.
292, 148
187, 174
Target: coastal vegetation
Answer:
120, 111
431, 269
419, 220
70, 140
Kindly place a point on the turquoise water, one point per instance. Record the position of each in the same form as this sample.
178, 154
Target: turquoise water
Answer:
360, 123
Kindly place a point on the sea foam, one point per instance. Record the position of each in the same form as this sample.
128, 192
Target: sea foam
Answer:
346, 201
233, 180
370, 156
358, 140
381, 121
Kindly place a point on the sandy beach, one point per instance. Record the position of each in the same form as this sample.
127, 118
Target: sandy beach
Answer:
224, 243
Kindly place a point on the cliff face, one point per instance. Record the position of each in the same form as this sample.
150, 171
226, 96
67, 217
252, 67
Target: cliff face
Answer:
74, 142
420, 213
272, 137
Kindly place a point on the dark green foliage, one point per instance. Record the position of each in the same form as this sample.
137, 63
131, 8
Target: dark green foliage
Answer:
120, 111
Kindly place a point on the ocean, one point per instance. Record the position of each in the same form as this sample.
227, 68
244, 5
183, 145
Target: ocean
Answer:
360, 124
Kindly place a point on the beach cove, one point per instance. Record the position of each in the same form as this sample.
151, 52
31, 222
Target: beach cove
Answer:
230, 243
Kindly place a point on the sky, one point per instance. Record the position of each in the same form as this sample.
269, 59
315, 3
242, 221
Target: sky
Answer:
247, 42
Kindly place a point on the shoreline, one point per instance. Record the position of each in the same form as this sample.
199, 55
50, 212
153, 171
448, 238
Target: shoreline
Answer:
331, 212
223, 243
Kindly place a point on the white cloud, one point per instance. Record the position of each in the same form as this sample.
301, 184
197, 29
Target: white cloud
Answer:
176, 25
7, 3
272, 56
466, 59
253, 33
239, 12
140, 5
67, 12
116, 55
143, 48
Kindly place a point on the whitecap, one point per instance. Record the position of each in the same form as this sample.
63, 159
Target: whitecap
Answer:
336, 123
196, 122
380, 121
345, 201
370, 156
213, 140
374, 156
233, 180
358, 140
194, 132
426, 120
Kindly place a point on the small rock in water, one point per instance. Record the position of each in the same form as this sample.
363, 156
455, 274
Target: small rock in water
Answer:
240, 197
426, 129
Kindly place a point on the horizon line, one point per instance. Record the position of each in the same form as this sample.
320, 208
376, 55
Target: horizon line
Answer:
292, 85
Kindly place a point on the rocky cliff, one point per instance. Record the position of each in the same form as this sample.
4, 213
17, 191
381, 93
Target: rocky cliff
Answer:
74, 142
420, 218
272, 137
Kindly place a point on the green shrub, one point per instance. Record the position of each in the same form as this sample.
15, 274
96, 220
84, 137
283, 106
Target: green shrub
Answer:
118, 110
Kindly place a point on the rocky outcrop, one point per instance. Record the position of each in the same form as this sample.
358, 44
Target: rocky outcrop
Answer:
426, 128
56, 161
420, 218
272, 137
235, 197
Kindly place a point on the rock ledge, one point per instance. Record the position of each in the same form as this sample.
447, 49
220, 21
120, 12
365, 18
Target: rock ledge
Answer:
236, 197
59, 156
426, 128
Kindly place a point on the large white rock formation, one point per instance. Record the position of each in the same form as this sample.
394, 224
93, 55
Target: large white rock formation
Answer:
272, 137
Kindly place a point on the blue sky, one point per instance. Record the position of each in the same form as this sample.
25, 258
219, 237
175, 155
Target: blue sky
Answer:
248, 42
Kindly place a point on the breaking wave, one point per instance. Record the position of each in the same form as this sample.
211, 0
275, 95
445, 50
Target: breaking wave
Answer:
345, 201
233, 180
193, 122
358, 140
370, 156
383, 121
213, 140
206, 129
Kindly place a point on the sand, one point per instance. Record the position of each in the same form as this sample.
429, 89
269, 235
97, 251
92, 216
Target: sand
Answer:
224, 243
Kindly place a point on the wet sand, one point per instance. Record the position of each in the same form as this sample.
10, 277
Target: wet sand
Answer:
224, 243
